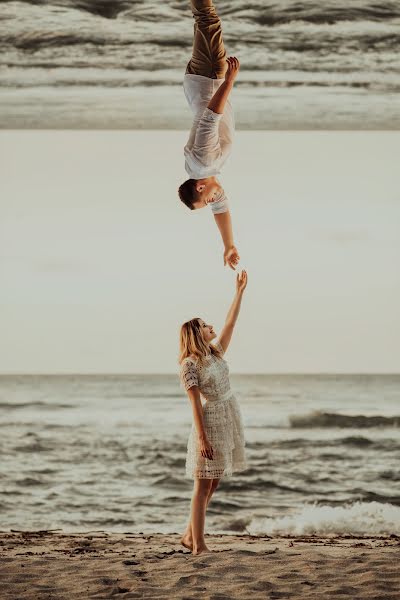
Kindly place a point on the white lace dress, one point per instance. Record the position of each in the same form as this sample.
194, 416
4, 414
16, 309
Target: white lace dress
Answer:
222, 420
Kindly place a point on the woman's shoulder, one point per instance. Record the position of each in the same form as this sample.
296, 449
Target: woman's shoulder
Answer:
190, 363
190, 359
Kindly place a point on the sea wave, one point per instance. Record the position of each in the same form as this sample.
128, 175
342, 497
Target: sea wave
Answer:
169, 481
301, 28
46, 39
357, 441
237, 524
124, 83
260, 451
36, 446
107, 522
325, 419
109, 9
261, 12
34, 404
369, 496
291, 42
326, 12
30, 481
263, 484
358, 518
391, 475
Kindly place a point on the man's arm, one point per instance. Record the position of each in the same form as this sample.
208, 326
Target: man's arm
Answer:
218, 101
224, 223
217, 105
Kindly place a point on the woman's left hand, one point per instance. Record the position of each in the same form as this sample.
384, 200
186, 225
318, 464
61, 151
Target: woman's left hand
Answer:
241, 282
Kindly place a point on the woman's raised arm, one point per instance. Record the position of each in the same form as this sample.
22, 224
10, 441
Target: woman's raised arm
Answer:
233, 313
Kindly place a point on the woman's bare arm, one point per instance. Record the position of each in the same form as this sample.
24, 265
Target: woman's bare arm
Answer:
194, 397
233, 313
206, 449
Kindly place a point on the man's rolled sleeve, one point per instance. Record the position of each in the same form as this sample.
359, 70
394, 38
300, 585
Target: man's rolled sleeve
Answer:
219, 207
210, 115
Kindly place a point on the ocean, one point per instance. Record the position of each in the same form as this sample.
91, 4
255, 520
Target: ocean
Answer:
107, 452
117, 64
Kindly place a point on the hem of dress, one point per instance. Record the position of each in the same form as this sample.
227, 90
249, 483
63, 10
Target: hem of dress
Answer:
228, 473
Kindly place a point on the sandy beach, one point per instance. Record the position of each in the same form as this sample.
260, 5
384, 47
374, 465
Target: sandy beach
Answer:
57, 565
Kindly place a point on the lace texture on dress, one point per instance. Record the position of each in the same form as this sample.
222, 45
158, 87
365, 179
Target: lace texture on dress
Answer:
189, 374
221, 416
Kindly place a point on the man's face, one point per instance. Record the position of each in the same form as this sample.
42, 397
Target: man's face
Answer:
208, 193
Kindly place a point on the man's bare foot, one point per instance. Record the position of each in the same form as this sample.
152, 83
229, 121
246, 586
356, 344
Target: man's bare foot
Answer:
187, 541
200, 550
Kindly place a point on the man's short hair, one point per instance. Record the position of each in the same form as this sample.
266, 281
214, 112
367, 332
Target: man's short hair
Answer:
188, 193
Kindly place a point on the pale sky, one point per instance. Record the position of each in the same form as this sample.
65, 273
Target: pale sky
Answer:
100, 263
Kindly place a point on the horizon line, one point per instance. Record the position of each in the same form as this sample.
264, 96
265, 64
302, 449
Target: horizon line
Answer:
129, 374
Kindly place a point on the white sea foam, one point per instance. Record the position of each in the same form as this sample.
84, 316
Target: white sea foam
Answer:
359, 518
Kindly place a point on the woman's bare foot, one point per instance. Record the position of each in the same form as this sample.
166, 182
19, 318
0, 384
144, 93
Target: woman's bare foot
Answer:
200, 550
187, 541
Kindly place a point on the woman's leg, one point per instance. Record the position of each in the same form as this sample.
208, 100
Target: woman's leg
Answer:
198, 513
209, 55
187, 538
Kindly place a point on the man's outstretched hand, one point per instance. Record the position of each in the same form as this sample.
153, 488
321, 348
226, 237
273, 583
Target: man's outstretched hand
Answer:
231, 257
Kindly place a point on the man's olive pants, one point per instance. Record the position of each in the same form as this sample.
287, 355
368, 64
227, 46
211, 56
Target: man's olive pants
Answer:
209, 55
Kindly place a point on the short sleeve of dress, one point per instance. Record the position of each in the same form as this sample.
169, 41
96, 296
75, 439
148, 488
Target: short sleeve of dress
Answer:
188, 375
218, 346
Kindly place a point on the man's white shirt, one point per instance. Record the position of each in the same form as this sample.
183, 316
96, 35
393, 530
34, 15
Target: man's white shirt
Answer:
211, 135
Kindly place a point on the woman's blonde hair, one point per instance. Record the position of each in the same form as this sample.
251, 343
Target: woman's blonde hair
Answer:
192, 342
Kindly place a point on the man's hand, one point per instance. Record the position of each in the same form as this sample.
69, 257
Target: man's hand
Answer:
231, 257
233, 68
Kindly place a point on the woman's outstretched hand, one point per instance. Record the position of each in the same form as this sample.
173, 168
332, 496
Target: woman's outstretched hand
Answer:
241, 282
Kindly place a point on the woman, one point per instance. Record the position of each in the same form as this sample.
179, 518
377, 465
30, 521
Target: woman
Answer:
216, 442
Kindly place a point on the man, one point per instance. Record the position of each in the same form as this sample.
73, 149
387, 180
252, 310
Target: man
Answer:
208, 81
